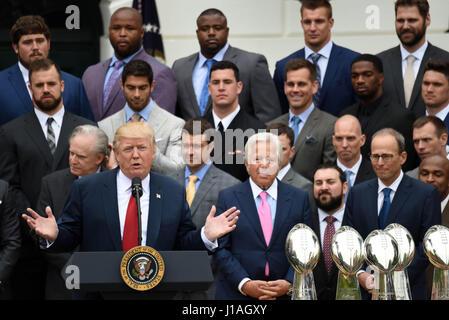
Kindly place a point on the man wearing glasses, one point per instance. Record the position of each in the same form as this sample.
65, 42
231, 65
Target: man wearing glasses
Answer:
393, 197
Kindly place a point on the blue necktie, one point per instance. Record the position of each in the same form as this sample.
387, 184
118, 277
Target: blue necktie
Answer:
385, 208
348, 179
315, 57
296, 121
205, 91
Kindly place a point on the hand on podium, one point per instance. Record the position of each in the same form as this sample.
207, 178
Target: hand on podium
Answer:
216, 227
46, 228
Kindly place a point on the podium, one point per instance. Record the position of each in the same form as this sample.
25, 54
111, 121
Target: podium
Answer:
100, 273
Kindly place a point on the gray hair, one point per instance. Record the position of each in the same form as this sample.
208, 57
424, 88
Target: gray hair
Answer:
101, 145
395, 134
263, 137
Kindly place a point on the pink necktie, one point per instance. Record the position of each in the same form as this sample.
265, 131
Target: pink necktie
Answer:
264, 212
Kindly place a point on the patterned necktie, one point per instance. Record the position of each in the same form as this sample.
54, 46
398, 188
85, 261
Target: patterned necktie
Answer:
111, 81
131, 229
296, 121
190, 190
264, 212
51, 135
136, 117
348, 179
315, 57
328, 234
383, 214
409, 79
205, 91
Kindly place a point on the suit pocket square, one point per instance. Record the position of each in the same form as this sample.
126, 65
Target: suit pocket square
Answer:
310, 139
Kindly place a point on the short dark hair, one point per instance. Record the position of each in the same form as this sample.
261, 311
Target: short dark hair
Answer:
297, 63
315, 4
441, 66
422, 5
191, 126
225, 64
281, 129
42, 64
212, 12
29, 25
375, 60
440, 126
341, 174
137, 68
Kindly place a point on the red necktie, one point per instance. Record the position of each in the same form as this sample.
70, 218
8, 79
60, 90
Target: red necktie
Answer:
328, 234
131, 229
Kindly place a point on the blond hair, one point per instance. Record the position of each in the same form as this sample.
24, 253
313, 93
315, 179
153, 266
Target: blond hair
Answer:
134, 130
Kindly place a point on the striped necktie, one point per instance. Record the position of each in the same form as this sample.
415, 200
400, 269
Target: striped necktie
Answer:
51, 135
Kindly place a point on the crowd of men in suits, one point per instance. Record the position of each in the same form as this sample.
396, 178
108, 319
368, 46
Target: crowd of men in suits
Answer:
230, 158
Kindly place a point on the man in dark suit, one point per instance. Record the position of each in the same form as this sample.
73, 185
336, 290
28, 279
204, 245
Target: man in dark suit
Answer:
405, 63
104, 198
251, 260
102, 80
313, 128
233, 123
347, 141
258, 96
435, 90
10, 239
333, 62
329, 190
376, 110
32, 146
31, 41
88, 151
201, 179
393, 197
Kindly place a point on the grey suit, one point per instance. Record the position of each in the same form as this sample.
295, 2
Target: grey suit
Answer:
314, 143
258, 97
413, 173
293, 178
167, 130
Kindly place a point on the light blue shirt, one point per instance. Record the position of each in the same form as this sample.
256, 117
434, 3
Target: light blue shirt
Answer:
303, 116
145, 112
199, 73
199, 174
111, 68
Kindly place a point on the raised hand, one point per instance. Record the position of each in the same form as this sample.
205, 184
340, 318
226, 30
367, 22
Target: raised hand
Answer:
46, 228
216, 227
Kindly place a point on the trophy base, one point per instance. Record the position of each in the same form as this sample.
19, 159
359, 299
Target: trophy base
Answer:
440, 284
383, 287
303, 287
347, 287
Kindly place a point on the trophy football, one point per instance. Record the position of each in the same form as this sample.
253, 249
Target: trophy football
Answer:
302, 248
436, 247
406, 248
382, 255
347, 253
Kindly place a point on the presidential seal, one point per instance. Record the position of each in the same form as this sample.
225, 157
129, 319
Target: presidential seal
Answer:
142, 268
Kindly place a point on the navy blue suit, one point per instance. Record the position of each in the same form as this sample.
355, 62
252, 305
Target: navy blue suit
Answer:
90, 217
15, 99
337, 92
243, 252
446, 122
415, 206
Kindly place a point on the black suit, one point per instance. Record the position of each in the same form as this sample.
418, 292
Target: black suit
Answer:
365, 172
237, 168
384, 113
394, 83
25, 158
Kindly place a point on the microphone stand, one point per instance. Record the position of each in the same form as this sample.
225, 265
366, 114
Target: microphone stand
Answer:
137, 193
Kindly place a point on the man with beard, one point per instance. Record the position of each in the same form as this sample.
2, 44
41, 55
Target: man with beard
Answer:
406, 62
30, 37
102, 80
32, 146
376, 110
329, 190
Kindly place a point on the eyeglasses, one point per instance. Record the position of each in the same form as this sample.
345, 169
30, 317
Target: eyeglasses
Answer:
385, 157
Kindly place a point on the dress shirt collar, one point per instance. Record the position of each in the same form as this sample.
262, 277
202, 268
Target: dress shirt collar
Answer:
442, 114
418, 54
337, 214
124, 183
355, 167
303, 115
145, 112
218, 56
42, 117
283, 171
272, 190
325, 51
127, 59
444, 203
200, 173
226, 121
394, 186
25, 73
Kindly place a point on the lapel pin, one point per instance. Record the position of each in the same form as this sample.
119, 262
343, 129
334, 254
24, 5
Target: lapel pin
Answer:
158, 195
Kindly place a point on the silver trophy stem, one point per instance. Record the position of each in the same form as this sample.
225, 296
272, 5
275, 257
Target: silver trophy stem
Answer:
303, 286
383, 287
402, 285
440, 284
347, 287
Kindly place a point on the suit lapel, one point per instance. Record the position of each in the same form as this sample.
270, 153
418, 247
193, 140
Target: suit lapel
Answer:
17, 82
188, 84
104, 69
396, 70
63, 143
283, 205
155, 210
416, 92
110, 207
400, 197
306, 129
203, 189
34, 131
330, 75
372, 217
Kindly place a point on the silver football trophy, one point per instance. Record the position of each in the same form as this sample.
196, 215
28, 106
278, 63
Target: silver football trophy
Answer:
436, 247
302, 248
406, 247
382, 255
347, 253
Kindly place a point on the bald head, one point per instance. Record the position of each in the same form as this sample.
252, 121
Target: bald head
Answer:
128, 12
347, 140
434, 170
126, 32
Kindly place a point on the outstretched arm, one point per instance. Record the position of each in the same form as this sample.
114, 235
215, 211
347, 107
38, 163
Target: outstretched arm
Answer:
46, 228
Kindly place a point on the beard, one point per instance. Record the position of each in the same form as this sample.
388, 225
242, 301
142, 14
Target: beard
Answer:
418, 35
49, 106
330, 205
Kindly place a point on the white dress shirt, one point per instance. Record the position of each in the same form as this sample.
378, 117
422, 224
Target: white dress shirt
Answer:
283, 171
394, 187
226, 121
418, 54
325, 53
444, 203
56, 125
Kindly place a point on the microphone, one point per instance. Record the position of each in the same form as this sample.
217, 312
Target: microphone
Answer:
136, 190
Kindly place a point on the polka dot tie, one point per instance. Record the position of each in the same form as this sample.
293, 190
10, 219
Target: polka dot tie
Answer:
328, 234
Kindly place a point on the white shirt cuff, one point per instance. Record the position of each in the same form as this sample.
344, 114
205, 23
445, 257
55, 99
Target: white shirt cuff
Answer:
245, 280
211, 246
